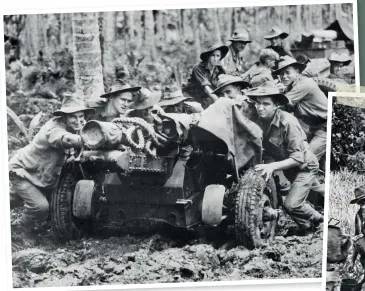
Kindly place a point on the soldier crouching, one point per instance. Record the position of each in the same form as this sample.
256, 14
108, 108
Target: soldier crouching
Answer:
34, 169
285, 141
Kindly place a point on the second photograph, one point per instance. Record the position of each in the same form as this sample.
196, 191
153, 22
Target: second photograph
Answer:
346, 211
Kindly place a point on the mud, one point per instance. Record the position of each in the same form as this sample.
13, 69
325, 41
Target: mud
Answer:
159, 257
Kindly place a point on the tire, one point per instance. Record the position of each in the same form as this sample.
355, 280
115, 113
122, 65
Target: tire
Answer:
247, 218
64, 225
326, 85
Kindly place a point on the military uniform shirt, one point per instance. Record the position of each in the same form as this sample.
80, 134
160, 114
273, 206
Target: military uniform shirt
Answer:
233, 63
40, 162
201, 77
284, 138
309, 102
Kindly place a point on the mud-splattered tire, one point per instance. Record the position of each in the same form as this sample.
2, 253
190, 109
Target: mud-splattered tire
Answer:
64, 225
247, 209
326, 85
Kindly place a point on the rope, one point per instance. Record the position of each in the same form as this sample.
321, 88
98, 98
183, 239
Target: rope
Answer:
128, 134
144, 125
138, 125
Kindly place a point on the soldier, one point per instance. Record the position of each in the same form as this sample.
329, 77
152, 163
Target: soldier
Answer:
204, 77
308, 102
338, 61
261, 72
118, 101
359, 250
360, 215
276, 38
174, 101
233, 62
232, 87
34, 169
285, 141
144, 104
315, 67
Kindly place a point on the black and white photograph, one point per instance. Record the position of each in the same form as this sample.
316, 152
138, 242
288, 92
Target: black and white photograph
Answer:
173, 146
346, 228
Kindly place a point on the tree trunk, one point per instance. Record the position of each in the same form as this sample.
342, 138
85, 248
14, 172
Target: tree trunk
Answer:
62, 30
130, 24
215, 20
32, 33
159, 26
184, 23
310, 17
109, 38
196, 34
233, 16
87, 56
299, 15
149, 28
43, 25
228, 23
181, 24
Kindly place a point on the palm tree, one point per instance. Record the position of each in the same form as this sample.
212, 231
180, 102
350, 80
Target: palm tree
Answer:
87, 56
149, 30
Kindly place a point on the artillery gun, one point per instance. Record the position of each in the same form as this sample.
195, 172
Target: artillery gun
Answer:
129, 171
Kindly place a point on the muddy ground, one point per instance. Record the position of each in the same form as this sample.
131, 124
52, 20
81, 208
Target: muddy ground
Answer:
159, 257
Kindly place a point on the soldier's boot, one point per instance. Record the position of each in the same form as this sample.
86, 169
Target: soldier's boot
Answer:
283, 183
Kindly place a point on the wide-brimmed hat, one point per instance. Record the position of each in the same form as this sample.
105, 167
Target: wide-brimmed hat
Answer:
72, 103
268, 89
120, 87
145, 99
275, 32
241, 35
340, 58
172, 95
359, 194
212, 47
224, 80
286, 61
303, 59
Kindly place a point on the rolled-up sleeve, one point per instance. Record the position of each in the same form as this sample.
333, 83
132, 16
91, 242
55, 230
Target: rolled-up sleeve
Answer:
55, 135
299, 91
295, 142
200, 77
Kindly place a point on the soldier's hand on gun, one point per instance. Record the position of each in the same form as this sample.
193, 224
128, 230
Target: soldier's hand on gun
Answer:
266, 170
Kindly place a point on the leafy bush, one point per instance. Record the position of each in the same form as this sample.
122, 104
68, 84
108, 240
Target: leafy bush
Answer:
348, 137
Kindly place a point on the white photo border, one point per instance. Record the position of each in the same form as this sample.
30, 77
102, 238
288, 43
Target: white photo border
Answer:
327, 179
4, 178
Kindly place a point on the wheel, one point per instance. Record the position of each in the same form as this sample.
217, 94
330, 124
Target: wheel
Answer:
249, 205
326, 85
64, 225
